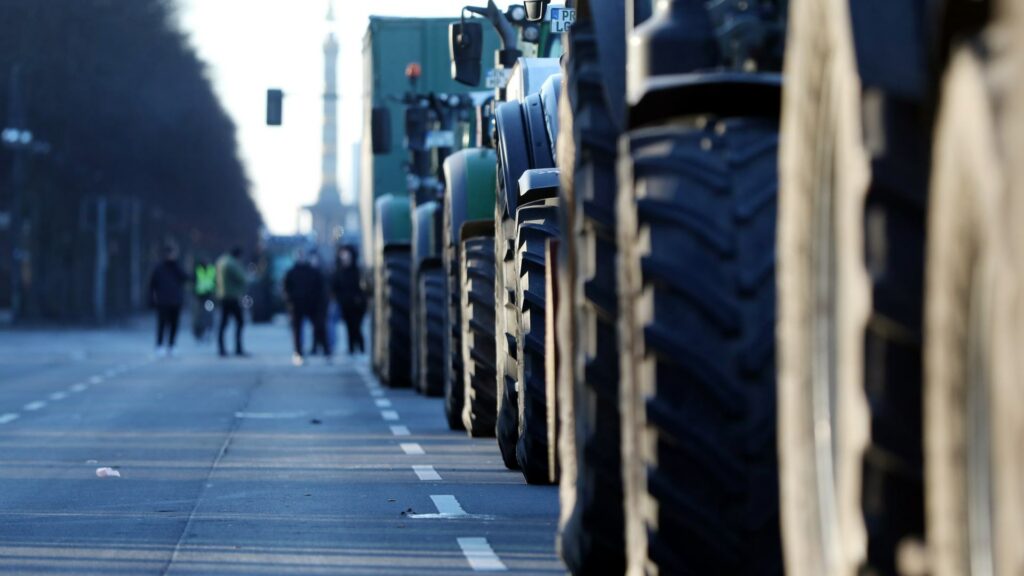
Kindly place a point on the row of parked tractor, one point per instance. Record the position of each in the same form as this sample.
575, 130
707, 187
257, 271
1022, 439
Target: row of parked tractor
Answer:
743, 277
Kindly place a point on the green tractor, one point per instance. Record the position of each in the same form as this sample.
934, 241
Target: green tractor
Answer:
392, 292
665, 354
510, 378
881, 434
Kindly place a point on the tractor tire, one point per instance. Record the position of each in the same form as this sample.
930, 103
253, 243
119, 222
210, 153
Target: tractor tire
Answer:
537, 223
697, 232
850, 281
480, 411
974, 325
507, 367
455, 372
397, 309
432, 311
592, 535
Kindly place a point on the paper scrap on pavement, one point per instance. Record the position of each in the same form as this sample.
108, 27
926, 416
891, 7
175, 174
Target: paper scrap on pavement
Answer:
107, 473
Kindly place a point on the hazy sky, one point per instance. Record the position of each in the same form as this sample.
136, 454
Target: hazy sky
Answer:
252, 45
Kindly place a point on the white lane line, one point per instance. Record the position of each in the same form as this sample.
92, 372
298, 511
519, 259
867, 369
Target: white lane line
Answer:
389, 415
400, 430
448, 508
79, 387
33, 406
383, 403
110, 373
269, 415
427, 474
480, 555
96, 380
58, 396
412, 449
9, 417
377, 393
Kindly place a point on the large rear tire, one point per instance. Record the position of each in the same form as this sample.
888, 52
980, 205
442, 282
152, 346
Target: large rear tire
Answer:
432, 318
850, 288
505, 344
592, 535
697, 233
974, 409
536, 224
454, 376
396, 308
479, 414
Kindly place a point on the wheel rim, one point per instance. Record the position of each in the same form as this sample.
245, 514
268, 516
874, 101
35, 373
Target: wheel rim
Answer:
979, 448
824, 334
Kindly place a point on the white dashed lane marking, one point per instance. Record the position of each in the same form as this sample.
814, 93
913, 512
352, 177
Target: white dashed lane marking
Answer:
79, 387
400, 430
33, 406
7, 418
412, 449
377, 393
389, 415
57, 396
426, 473
383, 403
96, 380
480, 555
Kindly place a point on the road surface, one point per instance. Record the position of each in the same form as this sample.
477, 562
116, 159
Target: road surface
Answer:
243, 466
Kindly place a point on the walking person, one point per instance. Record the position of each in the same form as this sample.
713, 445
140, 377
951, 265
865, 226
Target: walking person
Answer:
321, 339
167, 294
304, 291
205, 290
231, 286
348, 291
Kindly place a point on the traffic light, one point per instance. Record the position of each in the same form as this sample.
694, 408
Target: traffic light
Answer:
275, 99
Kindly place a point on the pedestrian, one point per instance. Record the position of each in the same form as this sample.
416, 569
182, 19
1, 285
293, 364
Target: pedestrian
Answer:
321, 341
351, 297
304, 291
205, 290
167, 294
231, 286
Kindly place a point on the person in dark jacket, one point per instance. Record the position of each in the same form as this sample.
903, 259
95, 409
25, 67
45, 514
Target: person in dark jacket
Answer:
304, 291
348, 291
167, 294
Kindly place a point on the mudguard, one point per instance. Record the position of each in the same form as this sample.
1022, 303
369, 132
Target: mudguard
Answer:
471, 176
714, 93
394, 221
538, 184
523, 144
428, 233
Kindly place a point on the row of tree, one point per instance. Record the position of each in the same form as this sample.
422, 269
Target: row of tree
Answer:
130, 117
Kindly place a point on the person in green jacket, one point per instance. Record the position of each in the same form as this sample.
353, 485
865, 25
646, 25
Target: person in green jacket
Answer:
231, 287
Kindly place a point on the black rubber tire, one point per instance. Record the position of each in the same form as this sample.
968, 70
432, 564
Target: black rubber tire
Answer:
480, 412
593, 535
698, 254
432, 310
536, 223
507, 367
397, 309
455, 375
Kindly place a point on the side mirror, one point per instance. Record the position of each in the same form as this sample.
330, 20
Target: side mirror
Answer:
274, 107
465, 46
535, 9
380, 130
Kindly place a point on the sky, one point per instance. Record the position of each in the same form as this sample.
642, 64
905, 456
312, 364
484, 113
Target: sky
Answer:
252, 45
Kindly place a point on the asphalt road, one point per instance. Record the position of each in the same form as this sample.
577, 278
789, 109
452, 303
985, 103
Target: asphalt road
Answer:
243, 466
